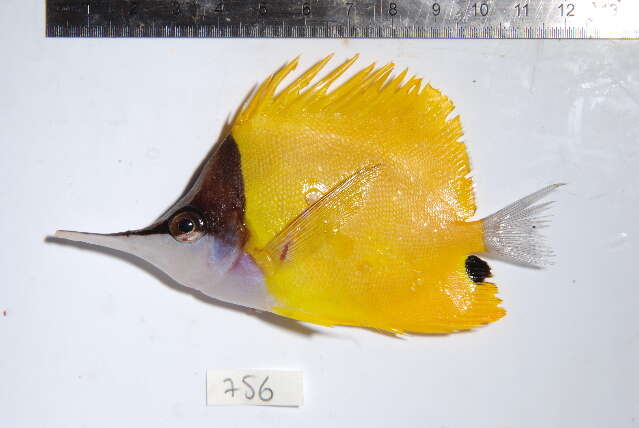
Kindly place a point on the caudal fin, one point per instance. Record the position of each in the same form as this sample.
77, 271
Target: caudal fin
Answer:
513, 232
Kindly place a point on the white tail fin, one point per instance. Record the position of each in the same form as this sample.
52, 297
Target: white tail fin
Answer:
513, 232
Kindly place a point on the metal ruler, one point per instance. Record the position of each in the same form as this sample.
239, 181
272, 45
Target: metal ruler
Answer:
428, 19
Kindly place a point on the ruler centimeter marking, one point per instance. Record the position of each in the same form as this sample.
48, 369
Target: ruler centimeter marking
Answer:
426, 19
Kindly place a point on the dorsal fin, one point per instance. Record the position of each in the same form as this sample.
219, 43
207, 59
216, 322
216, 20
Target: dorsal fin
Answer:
371, 107
372, 117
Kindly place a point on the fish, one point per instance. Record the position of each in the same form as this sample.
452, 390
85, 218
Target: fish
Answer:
345, 204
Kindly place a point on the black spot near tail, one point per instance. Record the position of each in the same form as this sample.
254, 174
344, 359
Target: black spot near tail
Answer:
477, 269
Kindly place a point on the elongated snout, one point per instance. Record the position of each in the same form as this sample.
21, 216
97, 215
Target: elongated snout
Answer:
205, 265
115, 241
148, 244
188, 263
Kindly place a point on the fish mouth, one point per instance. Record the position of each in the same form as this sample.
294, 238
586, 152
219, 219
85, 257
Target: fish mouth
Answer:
156, 248
109, 240
104, 239
121, 241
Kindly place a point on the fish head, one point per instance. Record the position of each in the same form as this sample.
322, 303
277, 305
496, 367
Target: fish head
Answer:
199, 241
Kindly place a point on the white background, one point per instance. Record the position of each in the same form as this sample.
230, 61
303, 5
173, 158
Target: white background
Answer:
102, 135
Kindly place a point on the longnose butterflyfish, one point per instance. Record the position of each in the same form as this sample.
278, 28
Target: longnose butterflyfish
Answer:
347, 205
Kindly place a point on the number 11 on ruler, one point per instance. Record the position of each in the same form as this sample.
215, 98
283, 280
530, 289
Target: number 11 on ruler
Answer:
254, 388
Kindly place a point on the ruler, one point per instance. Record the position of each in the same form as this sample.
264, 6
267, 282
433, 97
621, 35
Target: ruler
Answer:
427, 19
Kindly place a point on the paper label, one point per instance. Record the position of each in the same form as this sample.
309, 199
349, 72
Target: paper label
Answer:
254, 388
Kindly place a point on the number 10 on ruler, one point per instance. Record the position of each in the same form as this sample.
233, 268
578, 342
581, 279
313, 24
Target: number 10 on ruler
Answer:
254, 387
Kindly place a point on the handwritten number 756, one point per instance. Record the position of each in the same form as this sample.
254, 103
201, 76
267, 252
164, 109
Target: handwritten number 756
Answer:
264, 393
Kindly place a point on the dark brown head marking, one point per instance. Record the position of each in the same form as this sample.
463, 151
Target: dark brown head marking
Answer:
217, 196
477, 269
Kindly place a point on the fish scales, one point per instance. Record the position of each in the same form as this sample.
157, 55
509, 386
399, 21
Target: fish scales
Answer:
398, 263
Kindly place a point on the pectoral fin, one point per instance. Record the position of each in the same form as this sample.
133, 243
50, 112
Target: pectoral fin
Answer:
327, 215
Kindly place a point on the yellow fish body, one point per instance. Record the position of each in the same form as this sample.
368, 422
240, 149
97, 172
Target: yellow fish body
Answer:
355, 207
400, 263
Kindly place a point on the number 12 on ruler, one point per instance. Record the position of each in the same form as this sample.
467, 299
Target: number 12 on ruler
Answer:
254, 387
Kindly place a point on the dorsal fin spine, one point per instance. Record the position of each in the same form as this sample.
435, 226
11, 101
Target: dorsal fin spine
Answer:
323, 85
361, 91
394, 84
280, 75
304, 80
304, 96
315, 95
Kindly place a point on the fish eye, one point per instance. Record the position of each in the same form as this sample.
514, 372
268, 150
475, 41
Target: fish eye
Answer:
186, 227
